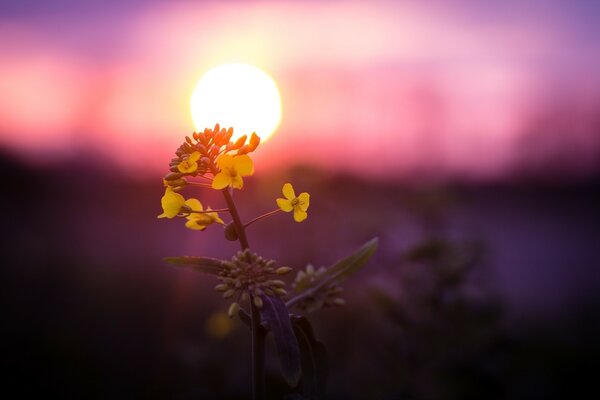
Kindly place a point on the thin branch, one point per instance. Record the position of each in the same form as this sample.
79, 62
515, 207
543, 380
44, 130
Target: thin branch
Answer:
261, 217
209, 211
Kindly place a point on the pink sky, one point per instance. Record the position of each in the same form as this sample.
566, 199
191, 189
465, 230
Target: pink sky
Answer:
376, 87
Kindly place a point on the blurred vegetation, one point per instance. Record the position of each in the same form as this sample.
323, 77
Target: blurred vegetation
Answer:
90, 310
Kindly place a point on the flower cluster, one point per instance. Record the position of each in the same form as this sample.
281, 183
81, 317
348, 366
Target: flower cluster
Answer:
212, 156
220, 164
327, 296
199, 155
248, 275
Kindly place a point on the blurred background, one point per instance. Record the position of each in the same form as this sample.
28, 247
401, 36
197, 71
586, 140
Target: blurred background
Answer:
464, 134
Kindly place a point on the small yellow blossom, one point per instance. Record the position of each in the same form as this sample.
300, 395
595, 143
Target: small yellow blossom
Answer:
232, 171
199, 221
190, 164
292, 203
171, 203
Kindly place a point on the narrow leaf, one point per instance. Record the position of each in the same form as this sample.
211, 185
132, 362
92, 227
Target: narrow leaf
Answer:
345, 267
276, 317
313, 359
200, 264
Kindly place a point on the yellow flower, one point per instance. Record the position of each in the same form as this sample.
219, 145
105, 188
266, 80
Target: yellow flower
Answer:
232, 171
199, 221
171, 203
292, 203
190, 164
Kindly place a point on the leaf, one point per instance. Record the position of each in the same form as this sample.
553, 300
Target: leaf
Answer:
313, 359
199, 264
276, 317
345, 267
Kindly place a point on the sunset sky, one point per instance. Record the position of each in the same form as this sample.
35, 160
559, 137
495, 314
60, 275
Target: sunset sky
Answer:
454, 88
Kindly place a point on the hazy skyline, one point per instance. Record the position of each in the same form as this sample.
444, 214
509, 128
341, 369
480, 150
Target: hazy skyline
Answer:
460, 89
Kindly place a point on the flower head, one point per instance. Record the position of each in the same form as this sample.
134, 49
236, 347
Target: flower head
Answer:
232, 171
171, 203
248, 275
198, 220
190, 164
298, 205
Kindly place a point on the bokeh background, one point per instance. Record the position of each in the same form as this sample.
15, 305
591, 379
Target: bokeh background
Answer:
464, 134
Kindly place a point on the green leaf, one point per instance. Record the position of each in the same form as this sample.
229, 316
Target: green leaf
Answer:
345, 267
313, 359
275, 316
201, 264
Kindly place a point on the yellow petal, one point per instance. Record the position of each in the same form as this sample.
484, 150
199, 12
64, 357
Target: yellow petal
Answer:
171, 203
225, 161
284, 205
194, 225
243, 165
304, 201
194, 204
195, 156
299, 215
221, 181
237, 182
288, 191
187, 167
216, 218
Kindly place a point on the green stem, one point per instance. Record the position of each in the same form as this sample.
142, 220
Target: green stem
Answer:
258, 334
258, 355
239, 227
209, 211
261, 217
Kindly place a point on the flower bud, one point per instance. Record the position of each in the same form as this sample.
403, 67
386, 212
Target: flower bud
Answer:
257, 301
282, 270
339, 302
280, 292
178, 182
276, 282
231, 232
240, 142
221, 287
229, 293
233, 309
228, 264
171, 176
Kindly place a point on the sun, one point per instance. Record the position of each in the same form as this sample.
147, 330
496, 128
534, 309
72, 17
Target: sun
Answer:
240, 96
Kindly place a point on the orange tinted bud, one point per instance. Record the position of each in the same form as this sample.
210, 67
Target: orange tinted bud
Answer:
228, 135
239, 143
243, 150
195, 135
254, 142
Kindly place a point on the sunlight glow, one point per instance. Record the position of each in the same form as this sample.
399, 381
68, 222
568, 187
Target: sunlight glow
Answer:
239, 96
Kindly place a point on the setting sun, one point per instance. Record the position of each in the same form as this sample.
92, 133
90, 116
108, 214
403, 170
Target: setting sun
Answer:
237, 95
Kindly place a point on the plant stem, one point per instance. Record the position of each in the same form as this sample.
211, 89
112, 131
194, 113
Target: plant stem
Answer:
209, 211
258, 355
258, 333
261, 217
239, 227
